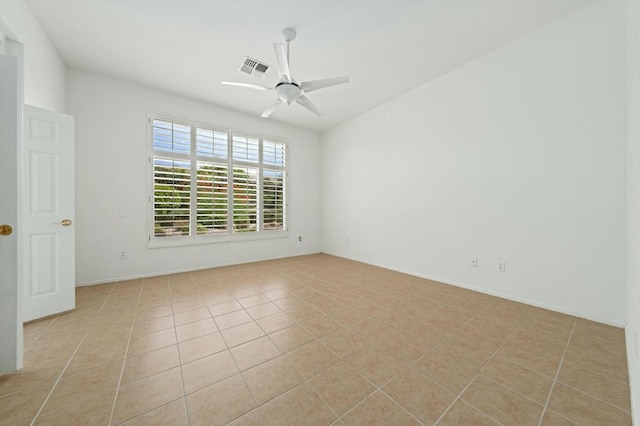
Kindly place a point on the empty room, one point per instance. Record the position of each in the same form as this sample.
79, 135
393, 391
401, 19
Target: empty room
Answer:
319, 212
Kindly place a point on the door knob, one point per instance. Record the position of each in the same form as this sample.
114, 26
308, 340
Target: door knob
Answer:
64, 222
5, 230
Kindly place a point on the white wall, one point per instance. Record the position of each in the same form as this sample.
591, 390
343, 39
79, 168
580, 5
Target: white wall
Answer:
518, 156
44, 70
111, 176
633, 200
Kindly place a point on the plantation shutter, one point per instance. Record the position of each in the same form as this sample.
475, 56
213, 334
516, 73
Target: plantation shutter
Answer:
171, 179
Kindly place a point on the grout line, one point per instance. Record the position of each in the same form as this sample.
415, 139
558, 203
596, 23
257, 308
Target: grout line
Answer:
59, 377
126, 353
493, 355
555, 379
68, 362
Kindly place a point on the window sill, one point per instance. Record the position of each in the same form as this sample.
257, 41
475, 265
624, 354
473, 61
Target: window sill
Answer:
165, 242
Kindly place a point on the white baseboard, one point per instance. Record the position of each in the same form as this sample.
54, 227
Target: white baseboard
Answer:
178, 271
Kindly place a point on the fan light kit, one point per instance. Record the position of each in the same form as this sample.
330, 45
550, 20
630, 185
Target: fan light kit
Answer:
287, 89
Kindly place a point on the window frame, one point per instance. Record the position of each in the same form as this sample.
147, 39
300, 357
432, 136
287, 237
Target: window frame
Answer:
229, 236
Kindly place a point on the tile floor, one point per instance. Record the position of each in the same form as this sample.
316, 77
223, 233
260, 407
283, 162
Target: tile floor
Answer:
313, 340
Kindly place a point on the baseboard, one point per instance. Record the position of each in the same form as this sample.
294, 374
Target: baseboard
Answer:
182, 270
488, 292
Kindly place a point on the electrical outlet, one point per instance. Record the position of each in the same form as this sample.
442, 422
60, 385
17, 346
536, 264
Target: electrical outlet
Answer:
501, 266
474, 263
123, 254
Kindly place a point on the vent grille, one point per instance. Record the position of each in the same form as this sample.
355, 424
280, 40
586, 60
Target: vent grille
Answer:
253, 67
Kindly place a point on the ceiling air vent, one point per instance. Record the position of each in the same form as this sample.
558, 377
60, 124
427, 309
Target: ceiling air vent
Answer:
253, 67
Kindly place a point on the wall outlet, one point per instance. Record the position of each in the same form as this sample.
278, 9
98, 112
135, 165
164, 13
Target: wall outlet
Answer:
123, 254
501, 266
474, 263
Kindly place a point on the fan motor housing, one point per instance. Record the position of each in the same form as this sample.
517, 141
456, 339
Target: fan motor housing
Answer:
288, 92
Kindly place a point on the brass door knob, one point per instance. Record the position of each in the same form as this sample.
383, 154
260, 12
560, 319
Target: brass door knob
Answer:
5, 230
63, 222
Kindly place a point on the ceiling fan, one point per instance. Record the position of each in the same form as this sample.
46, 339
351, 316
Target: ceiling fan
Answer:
287, 89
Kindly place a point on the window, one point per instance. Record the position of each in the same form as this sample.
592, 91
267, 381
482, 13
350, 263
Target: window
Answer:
212, 184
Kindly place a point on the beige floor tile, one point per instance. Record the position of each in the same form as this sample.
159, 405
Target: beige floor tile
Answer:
378, 409
519, 379
369, 329
225, 307
551, 418
311, 359
530, 358
376, 365
270, 379
501, 404
422, 341
602, 387
319, 325
616, 352
220, 403
290, 338
449, 369
420, 396
208, 371
149, 363
299, 406
276, 322
147, 394
240, 334
90, 356
462, 413
195, 329
173, 413
141, 328
252, 418
611, 335
485, 333
263, 310
232, 319
201, 347
191, 316
152, 341
152, 313
506, 312
584, 409
344, 342
22, 405
94, 385
597, 362
78, 414
253, 300
341, 387
401, 346
254, 352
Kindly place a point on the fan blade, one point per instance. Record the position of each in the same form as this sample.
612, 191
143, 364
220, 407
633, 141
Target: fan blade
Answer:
283, 63
272, 108
305, 102
309, 86
247, 85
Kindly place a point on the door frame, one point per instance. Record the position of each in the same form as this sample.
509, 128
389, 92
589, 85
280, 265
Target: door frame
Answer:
11, 331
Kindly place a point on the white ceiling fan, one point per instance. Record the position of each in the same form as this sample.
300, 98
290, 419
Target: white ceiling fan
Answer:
287, 89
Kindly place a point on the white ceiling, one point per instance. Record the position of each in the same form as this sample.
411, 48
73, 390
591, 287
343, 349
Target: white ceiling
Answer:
387, 47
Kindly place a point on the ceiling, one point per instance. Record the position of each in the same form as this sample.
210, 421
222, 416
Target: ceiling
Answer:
387, 47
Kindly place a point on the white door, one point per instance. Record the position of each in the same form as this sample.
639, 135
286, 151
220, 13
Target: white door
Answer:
10, 292
48, 213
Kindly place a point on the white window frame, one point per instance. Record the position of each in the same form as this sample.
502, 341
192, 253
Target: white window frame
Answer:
230, 235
